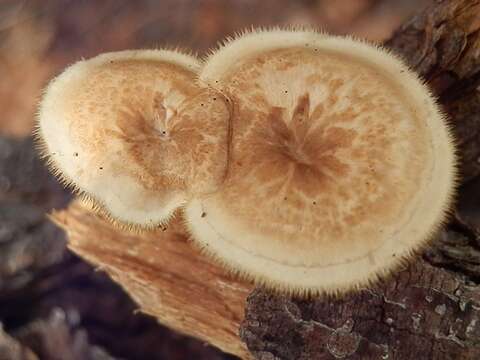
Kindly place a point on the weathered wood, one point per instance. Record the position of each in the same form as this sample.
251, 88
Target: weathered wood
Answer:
167, 276
428, 311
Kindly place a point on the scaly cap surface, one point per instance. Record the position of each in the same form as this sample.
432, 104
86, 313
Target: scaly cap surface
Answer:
341, 162
134, 132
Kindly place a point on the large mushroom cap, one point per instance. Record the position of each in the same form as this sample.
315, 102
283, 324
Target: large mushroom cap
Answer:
134, 131
341, 162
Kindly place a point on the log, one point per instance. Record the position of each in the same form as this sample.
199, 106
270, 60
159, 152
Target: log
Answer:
165, 274
429, 310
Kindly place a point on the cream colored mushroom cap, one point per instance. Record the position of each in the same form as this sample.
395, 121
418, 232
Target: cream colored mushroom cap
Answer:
341, 162
128, 130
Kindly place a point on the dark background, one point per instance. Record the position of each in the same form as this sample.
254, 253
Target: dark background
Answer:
52, 304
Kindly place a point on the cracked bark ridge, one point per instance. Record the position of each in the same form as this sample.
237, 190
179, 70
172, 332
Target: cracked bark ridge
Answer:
443, 45
431, 309
424, 313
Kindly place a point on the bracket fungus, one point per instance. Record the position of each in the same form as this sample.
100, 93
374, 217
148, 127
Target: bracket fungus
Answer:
128, 131
305, 162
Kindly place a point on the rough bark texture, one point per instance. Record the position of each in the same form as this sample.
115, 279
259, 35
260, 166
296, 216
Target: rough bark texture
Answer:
443, 45
423, 313
430, 310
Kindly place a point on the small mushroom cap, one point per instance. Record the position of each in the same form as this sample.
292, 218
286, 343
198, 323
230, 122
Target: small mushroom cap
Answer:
133, 131
341, 162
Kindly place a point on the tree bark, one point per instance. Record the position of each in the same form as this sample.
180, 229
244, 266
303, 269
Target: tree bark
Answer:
430, 310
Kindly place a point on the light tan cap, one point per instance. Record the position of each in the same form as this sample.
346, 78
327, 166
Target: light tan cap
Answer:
341, 165
133, 131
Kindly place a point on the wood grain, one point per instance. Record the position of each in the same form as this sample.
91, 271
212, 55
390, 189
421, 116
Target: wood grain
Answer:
165, 274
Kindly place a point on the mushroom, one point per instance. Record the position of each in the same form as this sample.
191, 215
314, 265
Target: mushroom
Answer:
341, 163
128, 130
305, 162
